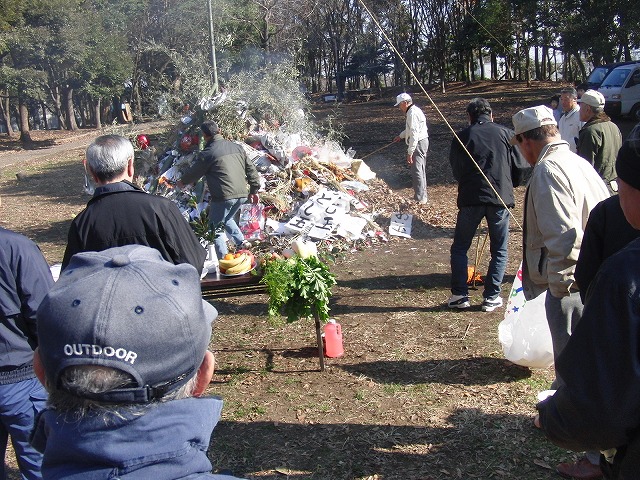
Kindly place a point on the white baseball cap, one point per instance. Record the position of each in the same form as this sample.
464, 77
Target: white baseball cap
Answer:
403, 97
592, 98
531, 118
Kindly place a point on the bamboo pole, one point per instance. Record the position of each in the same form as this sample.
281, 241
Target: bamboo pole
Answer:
319, 338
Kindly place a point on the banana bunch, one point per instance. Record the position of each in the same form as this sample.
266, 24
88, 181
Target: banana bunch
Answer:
234, 266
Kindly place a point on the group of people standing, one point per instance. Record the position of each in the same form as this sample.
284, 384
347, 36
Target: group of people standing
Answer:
120, 341
576, 237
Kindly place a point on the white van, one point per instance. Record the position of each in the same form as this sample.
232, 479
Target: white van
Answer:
621, 90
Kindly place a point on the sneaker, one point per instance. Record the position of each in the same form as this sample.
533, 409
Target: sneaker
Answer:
458, 301
489, 305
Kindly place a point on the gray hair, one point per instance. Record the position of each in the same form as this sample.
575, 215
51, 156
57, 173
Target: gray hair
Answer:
95, 379
108, 156
569, 91
541, 133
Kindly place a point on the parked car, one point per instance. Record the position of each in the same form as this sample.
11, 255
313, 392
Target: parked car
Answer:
621, 91
600, 73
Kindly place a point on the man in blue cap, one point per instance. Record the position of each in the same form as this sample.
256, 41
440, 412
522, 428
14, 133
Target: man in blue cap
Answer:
125, 359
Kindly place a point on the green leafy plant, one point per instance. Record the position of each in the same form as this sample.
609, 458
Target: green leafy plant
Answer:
298, 287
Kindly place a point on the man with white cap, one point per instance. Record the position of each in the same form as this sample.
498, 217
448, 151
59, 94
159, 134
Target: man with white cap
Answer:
416, 136
124, 356
599, 139
562, 191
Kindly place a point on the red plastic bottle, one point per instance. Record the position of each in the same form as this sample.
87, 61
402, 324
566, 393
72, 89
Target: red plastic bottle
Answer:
333, 339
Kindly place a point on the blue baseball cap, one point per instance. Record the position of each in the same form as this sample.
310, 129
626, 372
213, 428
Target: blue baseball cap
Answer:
129, 309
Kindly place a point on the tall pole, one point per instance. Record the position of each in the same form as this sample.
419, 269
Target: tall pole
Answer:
213, 49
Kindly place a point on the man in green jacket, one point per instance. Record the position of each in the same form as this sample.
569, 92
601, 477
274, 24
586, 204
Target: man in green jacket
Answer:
599, 139
227, 170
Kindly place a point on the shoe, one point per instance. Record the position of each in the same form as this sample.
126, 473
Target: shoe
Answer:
422, 202
583, 469
458, 301
489, 305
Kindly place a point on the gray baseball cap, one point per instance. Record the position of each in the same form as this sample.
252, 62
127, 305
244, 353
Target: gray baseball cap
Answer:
129, 309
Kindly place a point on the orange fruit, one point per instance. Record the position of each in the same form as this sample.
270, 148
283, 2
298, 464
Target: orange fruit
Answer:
229, 256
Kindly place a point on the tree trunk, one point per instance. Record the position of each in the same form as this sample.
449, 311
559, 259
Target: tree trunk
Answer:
23, 111
5, 113
43, 107
68, 108
97, 109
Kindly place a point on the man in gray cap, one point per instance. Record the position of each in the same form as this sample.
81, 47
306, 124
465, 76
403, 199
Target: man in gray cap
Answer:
562, 191
124, 356
599, 139
598, 407
416, 136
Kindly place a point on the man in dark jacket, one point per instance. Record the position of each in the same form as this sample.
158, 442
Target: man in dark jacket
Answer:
607, 232
124, 356
227, 169
25, 279
598, 406
121, 213
485, 190
599, 138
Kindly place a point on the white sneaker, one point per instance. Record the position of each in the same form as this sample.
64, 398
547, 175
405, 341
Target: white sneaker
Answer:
489, 305
458, 301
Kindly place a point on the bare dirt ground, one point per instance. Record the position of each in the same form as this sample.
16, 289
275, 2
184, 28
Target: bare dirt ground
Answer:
422, 392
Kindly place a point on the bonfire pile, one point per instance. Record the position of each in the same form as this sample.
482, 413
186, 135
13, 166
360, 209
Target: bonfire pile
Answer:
310, 187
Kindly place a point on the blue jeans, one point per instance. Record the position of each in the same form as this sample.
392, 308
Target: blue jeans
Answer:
19, 404
466, 225
225, 212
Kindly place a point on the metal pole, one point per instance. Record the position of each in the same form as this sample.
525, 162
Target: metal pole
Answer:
213, 49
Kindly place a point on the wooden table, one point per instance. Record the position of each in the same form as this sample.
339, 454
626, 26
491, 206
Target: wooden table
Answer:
215, 285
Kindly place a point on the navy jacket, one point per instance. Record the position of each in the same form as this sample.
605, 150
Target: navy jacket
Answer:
606, 232
25, 279
122, 214
167, 441
500, 161
598, 407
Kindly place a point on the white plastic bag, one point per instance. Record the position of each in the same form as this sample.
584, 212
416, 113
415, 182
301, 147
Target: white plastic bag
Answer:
524, 332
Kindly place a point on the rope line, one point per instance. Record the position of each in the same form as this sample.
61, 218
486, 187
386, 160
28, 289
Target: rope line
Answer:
419, 83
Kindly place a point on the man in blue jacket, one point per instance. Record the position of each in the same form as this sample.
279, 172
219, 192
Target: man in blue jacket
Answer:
25, 279
124, 356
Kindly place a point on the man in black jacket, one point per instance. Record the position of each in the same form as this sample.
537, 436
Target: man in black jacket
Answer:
227, 170
598, 405
485, 190
120, 213
25, 279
